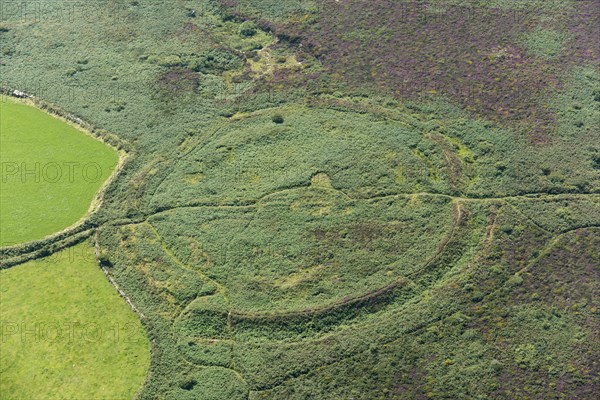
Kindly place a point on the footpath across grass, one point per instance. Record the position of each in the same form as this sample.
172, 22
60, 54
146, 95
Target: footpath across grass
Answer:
66, 334
50, 172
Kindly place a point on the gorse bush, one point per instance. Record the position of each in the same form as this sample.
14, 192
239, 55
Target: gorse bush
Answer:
545, 43
248, 28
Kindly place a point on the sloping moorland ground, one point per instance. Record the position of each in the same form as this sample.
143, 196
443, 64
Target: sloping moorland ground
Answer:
343, 199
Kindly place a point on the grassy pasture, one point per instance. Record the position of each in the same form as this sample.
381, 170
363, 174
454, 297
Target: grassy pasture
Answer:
51, 172
65, 332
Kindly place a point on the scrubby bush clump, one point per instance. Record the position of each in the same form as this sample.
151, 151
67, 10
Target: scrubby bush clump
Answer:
248, 28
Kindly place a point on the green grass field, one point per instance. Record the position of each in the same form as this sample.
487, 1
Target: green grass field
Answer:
51, 172
66, 334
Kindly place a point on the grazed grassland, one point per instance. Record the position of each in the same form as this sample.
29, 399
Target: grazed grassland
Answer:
51, 172
66, 334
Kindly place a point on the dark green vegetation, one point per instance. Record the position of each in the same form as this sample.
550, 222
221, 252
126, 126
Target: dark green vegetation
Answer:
374, 199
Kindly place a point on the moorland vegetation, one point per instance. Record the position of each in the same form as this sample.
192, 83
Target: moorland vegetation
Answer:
343, 199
